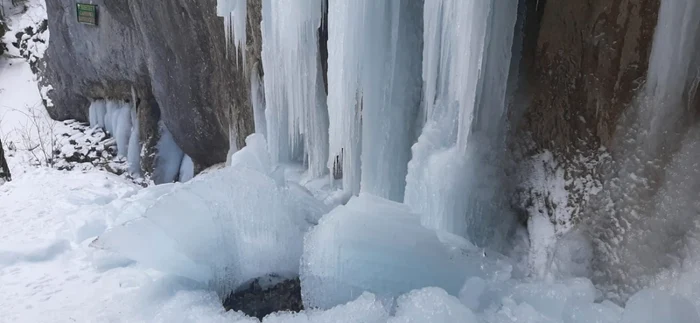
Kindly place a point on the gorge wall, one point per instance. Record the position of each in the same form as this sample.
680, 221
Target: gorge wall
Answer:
583, 62
171, 52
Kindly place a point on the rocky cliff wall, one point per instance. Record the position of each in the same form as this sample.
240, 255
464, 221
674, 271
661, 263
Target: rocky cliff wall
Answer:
172, 52
588, 60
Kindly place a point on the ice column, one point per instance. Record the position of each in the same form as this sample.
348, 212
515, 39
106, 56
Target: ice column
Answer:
257, 98
168, 158
466, 59
134, 149
374, 91
295, 100
674, 64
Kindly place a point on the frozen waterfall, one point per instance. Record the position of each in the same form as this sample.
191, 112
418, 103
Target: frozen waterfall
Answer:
416, 104
453, 177
120, 120
295, 98
374, 92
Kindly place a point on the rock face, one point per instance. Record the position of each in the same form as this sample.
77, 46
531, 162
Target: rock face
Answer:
4, 169
171, 52
589, 59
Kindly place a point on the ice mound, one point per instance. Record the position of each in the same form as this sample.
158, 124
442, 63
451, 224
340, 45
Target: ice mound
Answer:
364, 309
225, 227
651, 306
431, 305
376, 245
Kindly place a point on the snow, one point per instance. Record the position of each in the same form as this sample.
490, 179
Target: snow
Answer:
431, 305
649, 306
42, 274
254, 155
365, 309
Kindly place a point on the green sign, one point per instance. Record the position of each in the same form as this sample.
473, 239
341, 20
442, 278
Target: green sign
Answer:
87, 14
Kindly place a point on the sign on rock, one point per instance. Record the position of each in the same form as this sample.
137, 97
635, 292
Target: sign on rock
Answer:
87, 14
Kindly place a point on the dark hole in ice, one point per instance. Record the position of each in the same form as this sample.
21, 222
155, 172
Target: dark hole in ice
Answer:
266, 295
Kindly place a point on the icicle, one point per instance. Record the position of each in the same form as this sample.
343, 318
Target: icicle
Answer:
234, 13
257, 98
374, 81
100, 112
466, 59
92, 114
673, 65
345, 32
168, 157
296, 113
133, 156
186, 169
233, 146
122, 128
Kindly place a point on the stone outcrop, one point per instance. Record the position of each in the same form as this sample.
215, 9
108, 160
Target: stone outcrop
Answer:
589, 59
171, 52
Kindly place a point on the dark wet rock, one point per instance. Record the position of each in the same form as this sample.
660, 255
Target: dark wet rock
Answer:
258, 299
4, 169
587, 60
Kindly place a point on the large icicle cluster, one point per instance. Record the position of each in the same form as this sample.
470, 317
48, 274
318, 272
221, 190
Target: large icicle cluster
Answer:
432, 138
119, 119
234, 13
374, 92
295, 98
453, 176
